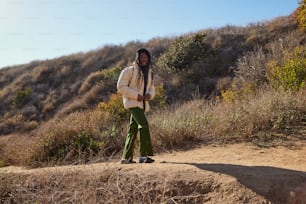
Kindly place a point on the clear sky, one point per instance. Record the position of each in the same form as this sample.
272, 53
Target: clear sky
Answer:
45, 29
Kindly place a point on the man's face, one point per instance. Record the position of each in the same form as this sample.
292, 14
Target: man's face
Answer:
143, 58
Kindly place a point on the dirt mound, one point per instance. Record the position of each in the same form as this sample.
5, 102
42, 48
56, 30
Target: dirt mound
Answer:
239, 173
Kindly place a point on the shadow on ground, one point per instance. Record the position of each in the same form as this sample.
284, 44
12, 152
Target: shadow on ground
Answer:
273, 183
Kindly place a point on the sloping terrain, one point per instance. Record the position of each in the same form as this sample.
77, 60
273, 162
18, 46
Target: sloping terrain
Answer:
40, 99
236, 173
37, 92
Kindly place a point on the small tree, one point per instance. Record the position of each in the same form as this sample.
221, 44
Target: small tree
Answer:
291, 74
184, 52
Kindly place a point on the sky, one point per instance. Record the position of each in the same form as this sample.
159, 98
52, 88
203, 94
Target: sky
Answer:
45, 29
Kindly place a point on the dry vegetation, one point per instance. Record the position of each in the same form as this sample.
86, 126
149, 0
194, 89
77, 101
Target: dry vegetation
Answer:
212, 85
66, 110
117, 186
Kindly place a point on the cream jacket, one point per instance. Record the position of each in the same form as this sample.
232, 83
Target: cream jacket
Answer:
130, 85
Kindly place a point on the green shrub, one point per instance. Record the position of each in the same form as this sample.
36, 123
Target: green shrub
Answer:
237, 94
114, 107
184, 52
301, 14
112, 73
21, 97
291, 74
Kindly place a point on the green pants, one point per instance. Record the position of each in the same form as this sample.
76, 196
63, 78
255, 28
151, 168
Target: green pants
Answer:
138, 121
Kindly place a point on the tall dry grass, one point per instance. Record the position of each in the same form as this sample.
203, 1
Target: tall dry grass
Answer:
92, 136
107, 185
78, 138
244, 120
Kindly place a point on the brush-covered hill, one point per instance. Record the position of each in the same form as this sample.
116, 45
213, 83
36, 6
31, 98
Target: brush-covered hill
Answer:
214, 85
236, 93
34, 93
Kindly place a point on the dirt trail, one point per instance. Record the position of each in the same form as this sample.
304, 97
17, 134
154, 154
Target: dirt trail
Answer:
236, 173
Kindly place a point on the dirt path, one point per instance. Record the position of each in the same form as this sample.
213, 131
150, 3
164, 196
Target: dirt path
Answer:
237, 173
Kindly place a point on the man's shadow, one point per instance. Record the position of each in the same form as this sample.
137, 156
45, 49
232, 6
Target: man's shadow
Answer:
272, 183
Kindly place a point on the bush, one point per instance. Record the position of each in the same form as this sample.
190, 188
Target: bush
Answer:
21, 97
251, 68
184, 52
112, 73
78, 138
14, 149
114, 107
237, 94
301, 14
290, 75
72, 145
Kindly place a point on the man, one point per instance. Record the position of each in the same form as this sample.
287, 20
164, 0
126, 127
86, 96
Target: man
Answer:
136, 85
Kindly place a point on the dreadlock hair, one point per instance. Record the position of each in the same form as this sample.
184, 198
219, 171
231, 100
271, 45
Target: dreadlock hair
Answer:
137, 61
142, 50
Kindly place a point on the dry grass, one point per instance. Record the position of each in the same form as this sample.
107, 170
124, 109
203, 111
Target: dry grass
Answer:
14, 149
237, 121
113, 185
90, 136
78, 138
110, 187
91, 80
64, 87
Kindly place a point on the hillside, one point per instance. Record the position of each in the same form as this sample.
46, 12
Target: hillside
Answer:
212, 86
34, 93
227, 123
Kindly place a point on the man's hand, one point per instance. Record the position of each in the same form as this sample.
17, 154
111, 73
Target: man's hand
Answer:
147, 97
140, 97
143, 98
